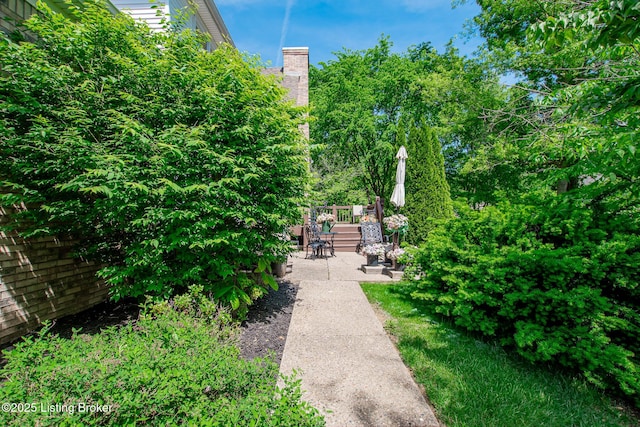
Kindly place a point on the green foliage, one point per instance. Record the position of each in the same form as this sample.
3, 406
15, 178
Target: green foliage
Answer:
359, 98
427, 191
175, 366
554, 275
602, 106
337, 187
170, 165
476, 382
575, 112
547, 276
354, 110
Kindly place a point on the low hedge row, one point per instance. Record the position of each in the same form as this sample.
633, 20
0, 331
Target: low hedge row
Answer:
177, 365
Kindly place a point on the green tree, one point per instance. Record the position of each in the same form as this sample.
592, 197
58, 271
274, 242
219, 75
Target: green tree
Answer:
358, 99
427, 191
532, 138
602, 106
355, 110
169, 165
573, 113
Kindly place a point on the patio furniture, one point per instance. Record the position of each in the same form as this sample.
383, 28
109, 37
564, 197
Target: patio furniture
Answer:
371, 233
314, 241
328, 238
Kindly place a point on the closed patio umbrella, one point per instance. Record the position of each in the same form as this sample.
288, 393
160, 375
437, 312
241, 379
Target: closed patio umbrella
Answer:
397, 198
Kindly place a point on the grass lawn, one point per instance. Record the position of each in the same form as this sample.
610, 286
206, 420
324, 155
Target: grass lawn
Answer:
474, 383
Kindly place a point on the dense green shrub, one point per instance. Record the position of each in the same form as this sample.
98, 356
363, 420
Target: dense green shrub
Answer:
428, 196
177, 365
544, 275
170, 165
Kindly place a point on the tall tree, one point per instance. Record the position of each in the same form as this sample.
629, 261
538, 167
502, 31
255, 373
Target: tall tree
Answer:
357, 101
355, 109
572, 114
428, 198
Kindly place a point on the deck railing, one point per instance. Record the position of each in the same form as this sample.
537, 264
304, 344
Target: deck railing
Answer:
343, 214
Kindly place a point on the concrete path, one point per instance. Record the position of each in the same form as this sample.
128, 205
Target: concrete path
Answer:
349, 368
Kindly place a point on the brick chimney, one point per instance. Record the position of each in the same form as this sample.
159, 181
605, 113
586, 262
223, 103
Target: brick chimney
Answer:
296, 67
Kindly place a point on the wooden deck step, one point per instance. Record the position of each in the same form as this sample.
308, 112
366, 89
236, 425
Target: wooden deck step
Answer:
348, 237
346, 240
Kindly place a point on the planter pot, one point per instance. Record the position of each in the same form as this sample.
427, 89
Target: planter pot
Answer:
280, 269
326, 227
397, 266
372, 260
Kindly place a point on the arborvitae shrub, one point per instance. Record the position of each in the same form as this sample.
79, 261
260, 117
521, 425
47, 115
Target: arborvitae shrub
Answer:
427, 192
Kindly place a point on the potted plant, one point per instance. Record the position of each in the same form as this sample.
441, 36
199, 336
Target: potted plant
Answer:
368, 218
394, 255
396, 223
327, 220
279, 266
373, 252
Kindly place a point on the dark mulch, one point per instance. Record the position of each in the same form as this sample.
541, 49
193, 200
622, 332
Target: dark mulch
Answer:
97, 318
264, 331
267, 324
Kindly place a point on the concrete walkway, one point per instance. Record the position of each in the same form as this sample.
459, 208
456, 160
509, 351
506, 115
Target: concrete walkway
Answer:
349, 368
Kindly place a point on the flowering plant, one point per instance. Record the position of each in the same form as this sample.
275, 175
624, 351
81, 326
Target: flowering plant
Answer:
396, 223
374, 249
325, 217
368, 218
395, 254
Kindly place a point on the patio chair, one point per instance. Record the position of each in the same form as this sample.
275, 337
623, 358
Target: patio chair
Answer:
371, 232
314, 241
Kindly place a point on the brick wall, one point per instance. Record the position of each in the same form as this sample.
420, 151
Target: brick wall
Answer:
296, 65
40, 280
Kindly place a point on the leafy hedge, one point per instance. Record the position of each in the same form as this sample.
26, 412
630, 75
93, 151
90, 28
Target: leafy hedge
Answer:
177, 365
547, 276
170, 165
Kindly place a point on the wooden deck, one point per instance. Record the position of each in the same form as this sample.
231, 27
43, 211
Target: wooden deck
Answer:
347, 225
346, 240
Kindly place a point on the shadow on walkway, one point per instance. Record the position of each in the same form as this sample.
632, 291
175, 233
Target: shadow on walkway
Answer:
349, 368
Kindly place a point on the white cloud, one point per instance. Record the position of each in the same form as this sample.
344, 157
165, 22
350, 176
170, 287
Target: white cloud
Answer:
285, 26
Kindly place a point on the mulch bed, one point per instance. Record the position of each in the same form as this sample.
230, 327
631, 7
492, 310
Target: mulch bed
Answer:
263, 332
101, 316
267, 324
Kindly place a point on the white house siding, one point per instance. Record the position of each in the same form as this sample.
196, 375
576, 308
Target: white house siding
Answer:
176, 6
141, 10
14, 10
206, 18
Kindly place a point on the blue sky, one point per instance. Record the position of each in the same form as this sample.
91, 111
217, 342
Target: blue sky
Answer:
325, 26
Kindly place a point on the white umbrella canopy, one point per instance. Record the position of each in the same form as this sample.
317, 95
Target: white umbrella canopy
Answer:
397, 198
